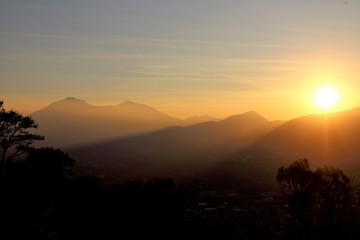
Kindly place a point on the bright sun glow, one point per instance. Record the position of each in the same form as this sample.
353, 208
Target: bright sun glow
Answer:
326, 97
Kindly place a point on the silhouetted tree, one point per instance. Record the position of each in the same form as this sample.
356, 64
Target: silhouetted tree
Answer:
30, 189
48, 164
15, 136
315, 198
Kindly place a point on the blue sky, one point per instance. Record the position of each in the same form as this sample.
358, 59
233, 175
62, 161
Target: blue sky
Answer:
181, 57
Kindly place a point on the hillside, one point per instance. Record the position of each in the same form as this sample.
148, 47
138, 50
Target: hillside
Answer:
331, 139
176, 150
132, 140
326, 139
71, 121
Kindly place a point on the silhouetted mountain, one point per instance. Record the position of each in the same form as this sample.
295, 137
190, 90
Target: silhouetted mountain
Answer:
326, 139
331, 139
176, 150
133, 139
199, 119
72, 121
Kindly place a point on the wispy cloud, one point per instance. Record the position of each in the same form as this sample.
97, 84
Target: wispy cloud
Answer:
132, 40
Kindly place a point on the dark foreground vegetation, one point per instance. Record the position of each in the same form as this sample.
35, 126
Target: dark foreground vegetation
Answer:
42, 198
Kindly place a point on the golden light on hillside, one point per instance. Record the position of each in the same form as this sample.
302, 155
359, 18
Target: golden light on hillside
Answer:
326, 97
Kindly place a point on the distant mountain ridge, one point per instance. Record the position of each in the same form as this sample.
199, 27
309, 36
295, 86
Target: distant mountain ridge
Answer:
240, 147
71, 121
132, 139
176, 149
331, 139
326, 139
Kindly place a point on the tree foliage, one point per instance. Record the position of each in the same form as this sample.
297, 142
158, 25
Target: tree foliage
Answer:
316, 198
15, 135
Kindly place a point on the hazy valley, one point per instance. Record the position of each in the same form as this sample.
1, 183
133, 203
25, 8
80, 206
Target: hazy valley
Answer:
133, 140
129, 165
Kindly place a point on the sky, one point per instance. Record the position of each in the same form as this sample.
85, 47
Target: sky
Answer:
182, 57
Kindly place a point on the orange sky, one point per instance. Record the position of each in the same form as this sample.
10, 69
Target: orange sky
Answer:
183, 58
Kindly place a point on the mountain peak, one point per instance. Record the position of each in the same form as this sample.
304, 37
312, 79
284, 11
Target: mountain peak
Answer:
71, 99
250, 115
69, 102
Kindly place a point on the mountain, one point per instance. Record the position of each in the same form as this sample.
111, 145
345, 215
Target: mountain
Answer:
331, 139
199, 119
132, 140
71, 121
175, 150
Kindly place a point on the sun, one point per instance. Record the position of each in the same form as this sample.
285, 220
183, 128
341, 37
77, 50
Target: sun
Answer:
326, 97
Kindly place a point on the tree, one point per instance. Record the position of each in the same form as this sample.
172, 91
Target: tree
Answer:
30, 189
48, 166
15, 135
316, 198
